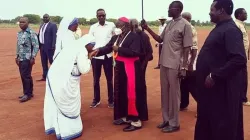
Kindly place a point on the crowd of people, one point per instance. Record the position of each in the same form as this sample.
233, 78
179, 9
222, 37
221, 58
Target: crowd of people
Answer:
216, 78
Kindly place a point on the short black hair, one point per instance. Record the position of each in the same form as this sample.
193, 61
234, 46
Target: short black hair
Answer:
238, 12
24, 17
227, 5
179, 4
100, 9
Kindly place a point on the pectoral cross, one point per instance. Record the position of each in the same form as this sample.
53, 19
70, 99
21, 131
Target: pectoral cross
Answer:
115, 54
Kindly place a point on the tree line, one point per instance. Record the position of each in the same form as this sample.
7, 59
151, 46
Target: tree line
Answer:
36, 19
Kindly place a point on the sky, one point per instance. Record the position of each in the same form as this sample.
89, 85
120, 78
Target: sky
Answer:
153, 9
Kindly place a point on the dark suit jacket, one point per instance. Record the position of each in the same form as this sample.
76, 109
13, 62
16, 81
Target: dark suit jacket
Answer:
49, 36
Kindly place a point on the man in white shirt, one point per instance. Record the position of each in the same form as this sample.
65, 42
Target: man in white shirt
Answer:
102, 31
189, 83
161, 29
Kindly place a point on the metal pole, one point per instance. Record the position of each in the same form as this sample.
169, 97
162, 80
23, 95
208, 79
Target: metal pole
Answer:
142, 11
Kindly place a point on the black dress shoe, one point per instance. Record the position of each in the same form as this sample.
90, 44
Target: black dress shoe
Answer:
119, 122
20, 97
32, 95
170, 129
162, 125
131, 128
25, 98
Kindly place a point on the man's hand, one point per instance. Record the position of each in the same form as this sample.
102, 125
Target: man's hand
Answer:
182, 73
115, 48
144, 24
17, 62
32, 61
209, 82
93, 53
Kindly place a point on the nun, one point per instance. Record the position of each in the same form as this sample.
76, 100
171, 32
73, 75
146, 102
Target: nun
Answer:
62, 103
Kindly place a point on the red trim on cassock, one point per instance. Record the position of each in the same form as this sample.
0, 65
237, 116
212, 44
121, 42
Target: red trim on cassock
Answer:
131, 89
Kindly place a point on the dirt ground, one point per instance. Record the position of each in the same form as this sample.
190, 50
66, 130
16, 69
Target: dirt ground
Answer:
24, 121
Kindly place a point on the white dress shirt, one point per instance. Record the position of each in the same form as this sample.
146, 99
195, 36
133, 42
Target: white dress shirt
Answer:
194, 47
103, 35
42, 31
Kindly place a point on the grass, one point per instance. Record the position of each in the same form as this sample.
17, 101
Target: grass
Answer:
3, 25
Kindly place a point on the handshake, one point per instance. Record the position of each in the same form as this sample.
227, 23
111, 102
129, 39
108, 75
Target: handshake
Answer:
94, 53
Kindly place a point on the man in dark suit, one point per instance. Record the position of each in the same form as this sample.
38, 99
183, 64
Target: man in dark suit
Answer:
47, 40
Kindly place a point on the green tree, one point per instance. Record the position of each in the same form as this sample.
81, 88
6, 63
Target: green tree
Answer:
34, 19
193, 22
198, 23
56, 19
15, 20
82, 21
112, 20
93, 21
153, 23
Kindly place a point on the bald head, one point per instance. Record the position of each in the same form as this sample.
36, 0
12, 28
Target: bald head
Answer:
187, 16
134, 24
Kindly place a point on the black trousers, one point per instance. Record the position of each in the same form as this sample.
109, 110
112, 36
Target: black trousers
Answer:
245, 82
160, 48
108, 70
25, 69
144, 69
188, 85
46, 55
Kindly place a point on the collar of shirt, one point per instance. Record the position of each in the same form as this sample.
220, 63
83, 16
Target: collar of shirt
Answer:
26, 30
46, 23
223, 22
105, 23
179, 18
239, 21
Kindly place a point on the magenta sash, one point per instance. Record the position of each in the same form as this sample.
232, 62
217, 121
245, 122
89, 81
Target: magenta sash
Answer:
131, 89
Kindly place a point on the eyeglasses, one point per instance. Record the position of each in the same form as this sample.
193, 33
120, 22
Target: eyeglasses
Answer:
173, 9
